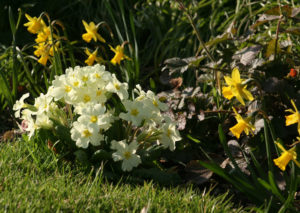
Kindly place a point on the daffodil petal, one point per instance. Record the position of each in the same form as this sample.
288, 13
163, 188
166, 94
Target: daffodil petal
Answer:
236, 75
227, 93
291, 119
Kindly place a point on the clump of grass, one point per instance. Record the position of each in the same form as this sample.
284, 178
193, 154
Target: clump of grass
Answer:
27, 185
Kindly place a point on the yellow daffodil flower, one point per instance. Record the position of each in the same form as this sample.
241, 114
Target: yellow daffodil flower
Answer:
242, 125
43, 35
35, 24
44, 51
294, 117
236, 88
286, 157
91, 32
92, 57
119, 55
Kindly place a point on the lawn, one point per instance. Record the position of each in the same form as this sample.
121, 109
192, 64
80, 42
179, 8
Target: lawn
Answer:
27, 186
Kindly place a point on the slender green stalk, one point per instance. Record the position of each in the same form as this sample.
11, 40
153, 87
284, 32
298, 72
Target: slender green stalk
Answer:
268, 147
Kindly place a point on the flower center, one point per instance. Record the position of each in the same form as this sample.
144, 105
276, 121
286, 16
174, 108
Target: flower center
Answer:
85, 78
86, 133
99, 92
97, 76
134, 112
127, 155
67, 88
169, 133
117, 86
86, 98
94, 119
76, 83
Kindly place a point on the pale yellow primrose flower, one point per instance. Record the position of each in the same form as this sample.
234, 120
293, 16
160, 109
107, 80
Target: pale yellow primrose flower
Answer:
83, 134
136, 113
236, 88
169, 136
115, 86
94, 115
294, 117
242, 125
35, 24
285, 157
20, 105
126, 153
91, 32
92, 57
119, 55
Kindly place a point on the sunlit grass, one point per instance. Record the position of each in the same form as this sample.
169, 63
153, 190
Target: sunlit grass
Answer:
28, 186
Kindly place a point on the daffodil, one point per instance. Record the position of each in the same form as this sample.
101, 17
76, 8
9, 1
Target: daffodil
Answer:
92, 57
119, 55
294, 117
42, 51
285, 157
35, 24
236, 88
242, 125
91, 32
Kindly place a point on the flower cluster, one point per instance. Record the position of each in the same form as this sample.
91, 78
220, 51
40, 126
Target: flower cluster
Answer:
91, 33
46, 45
81, 101
237, 88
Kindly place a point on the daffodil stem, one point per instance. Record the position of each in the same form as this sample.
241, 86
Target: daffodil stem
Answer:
268, 148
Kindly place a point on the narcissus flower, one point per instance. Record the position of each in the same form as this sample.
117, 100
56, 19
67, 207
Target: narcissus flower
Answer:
91, 32
92, 57
119, 55
126, 153
236, 88
294, 117
242, 125
286, 157
35, 24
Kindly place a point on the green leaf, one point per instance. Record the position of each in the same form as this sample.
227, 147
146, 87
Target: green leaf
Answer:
152, 84
12, 21
5, 90
274, 187
271, 48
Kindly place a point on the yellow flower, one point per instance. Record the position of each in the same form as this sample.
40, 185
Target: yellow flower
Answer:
236, 88
242, 125
294, 117
286, 157
43, 35
42, 51
92, 57
119, 55
91, 32
35, 24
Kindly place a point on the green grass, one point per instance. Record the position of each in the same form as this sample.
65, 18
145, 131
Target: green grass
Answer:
29, 186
